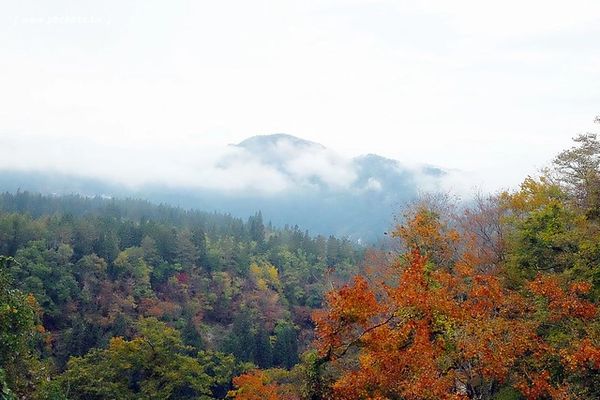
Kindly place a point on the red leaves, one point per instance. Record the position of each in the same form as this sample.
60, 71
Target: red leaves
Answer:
183, 278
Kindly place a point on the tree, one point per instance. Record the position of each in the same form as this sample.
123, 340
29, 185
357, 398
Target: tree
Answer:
199, 240
546, 231
95, 266
18, 329
541, 223
153, 365
186, 253
131, 268
257, 228
47, 274
263, 351
426, 331
240, 341
150, 251
285, 349
578, 170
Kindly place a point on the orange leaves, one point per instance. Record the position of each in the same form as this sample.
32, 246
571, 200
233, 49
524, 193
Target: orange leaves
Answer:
443, 334
258, 385
425, 231
455, 329
585, 355
253, 386
580, 287
398, 362
564, 304
540, 387
412, 290
31, 301
494, 345
349, 308
355, 304
431, 331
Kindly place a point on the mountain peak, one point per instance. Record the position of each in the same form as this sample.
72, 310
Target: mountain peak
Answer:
261, 141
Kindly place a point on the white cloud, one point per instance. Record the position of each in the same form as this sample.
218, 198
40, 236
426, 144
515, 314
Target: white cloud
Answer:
373, 184
284, 165
494, 88
316, 162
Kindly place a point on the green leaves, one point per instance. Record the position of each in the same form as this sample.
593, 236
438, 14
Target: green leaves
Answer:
153, 365
17, 330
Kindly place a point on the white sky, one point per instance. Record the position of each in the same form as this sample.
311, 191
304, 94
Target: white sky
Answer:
491, 88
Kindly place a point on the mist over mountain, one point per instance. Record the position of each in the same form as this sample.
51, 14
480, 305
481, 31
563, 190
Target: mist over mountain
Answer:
291, 180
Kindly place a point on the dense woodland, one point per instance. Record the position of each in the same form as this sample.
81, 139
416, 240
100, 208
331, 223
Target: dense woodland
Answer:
220, 294
120, 299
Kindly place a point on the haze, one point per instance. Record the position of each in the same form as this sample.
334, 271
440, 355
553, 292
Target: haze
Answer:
148, 90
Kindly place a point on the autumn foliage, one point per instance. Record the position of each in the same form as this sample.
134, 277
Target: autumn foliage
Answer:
440, 324
260, 385
451, 332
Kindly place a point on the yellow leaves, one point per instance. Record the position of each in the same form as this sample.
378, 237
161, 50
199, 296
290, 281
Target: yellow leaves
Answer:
265, 275
261, 284
117, 343
533, 194
31, 301
272, 273
255, 270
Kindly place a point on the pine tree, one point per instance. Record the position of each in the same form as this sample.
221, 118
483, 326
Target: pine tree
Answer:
285, 350
263, 353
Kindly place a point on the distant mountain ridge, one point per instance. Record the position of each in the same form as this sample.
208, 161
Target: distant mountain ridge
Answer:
319, 190
261, 141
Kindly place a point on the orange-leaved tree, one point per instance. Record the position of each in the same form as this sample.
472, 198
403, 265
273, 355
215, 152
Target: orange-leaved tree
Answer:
453, 331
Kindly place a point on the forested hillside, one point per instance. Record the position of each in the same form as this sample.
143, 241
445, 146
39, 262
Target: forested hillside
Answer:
121, 299
181, 282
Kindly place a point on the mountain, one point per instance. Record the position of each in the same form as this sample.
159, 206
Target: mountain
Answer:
291, 180
260, 143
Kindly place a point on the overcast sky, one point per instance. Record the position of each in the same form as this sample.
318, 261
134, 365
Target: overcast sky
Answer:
491, 88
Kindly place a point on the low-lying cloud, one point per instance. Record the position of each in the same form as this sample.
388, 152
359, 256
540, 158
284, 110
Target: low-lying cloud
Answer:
261, 165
